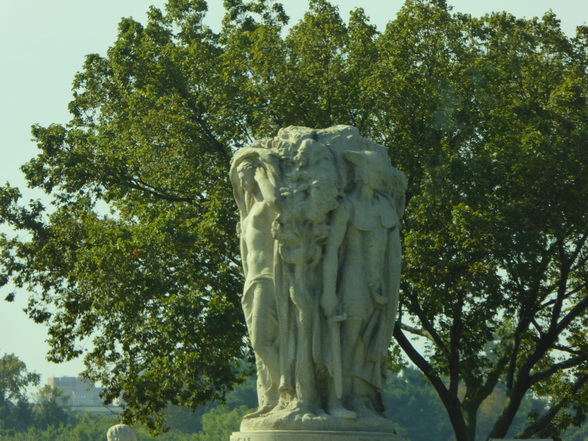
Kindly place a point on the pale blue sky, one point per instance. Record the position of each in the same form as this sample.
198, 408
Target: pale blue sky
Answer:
42, 46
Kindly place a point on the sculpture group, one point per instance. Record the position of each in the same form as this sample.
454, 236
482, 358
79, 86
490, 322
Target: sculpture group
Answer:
320, 216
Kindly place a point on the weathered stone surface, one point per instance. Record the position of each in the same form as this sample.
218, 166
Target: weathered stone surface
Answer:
320, 217
121, 432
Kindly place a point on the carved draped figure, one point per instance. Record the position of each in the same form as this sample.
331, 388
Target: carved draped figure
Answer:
362, 269
320, 217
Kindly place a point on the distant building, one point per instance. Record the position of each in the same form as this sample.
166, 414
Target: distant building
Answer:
81, 393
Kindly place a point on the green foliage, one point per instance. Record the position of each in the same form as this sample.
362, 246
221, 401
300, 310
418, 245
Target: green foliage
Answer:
219, 423
487, 117
409, 400
577, 434
14, 379
80, 428
15, 410
51, 410
496, 229
213, 421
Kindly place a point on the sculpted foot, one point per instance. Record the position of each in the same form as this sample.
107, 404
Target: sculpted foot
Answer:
338, 411
263, 411
364, 411
302, 408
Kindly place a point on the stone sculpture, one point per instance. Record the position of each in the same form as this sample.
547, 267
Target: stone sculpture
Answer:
120, 432
320, 217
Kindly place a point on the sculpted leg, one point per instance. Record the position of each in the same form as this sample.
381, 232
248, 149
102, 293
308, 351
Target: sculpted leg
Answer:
263, 332
304, 368
335, 407
350, 334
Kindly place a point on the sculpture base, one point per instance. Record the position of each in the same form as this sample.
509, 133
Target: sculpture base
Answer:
313, 435
294, 419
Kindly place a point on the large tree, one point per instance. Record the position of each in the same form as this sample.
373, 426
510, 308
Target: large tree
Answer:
16, 412
496, 258
487, 117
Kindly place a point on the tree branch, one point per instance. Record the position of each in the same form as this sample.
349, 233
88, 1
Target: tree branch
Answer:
573, 314
523, 381
537, 326
524, 321
415, 331
564, 272
140, 185
543, 422
452, 404
420, 362
493, 377
427, 325
572, 362
579, 247
455, 339
568, 294
529, 307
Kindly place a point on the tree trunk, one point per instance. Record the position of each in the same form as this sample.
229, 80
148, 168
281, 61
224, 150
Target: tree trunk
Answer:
451, 403
509, 411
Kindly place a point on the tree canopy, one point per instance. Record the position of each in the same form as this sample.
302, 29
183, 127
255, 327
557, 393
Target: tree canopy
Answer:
487, 117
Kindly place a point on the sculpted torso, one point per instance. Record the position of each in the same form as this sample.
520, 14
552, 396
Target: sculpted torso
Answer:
366, 240
258, 240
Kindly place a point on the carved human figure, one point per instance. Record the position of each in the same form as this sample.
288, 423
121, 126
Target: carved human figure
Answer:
258, 196
361, 281
320, 246
309, 194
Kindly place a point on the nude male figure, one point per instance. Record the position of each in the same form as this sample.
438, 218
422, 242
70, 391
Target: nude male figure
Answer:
259, 199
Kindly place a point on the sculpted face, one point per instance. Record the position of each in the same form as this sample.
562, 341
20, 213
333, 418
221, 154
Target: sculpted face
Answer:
246, 174
370, 167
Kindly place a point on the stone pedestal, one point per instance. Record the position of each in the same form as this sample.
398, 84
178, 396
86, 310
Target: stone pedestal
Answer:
313, 435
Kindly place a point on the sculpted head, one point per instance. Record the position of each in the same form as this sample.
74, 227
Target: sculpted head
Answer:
370, 168
246, 173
